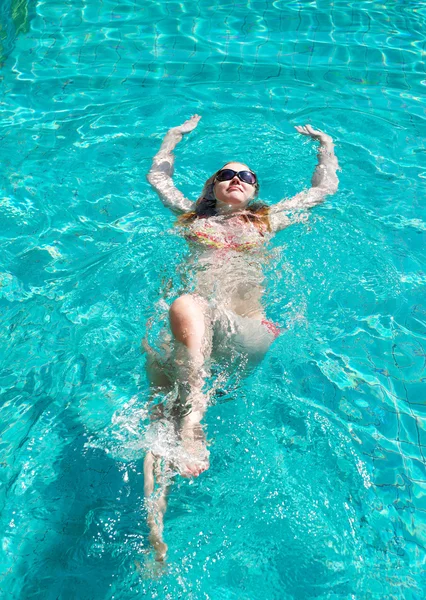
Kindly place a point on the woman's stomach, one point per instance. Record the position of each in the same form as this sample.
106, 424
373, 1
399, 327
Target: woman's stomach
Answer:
234, 282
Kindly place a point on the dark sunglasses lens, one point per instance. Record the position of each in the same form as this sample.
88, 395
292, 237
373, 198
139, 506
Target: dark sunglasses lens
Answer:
247, 177
225, 175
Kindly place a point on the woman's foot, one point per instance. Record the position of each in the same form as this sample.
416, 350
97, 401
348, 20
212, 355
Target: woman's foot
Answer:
160, 548
195, 458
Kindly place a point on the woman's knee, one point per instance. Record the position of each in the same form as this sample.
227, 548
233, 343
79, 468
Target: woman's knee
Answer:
185, 308
182, 304
187, 317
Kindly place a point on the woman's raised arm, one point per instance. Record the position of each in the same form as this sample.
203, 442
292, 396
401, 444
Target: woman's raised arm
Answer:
161, 172
324, 182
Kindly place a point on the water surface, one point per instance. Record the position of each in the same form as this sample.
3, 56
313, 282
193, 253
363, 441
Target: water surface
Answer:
317, 480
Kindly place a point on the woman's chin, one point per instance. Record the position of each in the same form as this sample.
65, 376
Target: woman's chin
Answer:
233, 203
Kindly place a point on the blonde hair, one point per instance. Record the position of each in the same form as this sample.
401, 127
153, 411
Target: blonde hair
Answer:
205, 206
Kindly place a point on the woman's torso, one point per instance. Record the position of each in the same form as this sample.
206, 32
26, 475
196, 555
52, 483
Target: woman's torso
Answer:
227, 258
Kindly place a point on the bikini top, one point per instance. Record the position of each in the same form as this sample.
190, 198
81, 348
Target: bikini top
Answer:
237, 234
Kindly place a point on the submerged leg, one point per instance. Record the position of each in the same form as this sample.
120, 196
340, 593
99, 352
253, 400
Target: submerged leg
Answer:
156, 502
191, 326
156, 480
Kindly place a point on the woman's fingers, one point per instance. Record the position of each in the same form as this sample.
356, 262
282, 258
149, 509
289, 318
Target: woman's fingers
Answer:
308, 130
190, 124
315, 134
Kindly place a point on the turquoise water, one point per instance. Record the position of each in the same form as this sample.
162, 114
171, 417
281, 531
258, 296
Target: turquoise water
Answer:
317, 485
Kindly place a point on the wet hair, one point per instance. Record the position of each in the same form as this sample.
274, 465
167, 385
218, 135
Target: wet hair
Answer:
205, 206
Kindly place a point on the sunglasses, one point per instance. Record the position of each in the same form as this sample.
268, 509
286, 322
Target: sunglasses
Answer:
228, 174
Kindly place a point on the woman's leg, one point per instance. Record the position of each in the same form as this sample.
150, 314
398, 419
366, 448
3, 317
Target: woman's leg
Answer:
157, 473
243, 336
156, 502
190, 323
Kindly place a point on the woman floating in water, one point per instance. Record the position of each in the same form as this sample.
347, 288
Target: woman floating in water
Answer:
223, 315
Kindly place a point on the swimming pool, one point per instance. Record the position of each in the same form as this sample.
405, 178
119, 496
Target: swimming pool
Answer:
317, 481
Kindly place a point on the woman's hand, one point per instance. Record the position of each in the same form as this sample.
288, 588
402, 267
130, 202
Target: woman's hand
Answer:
324, 182
188, 126
161, 172
315, 134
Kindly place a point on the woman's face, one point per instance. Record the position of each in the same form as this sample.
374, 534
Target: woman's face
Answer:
233, 195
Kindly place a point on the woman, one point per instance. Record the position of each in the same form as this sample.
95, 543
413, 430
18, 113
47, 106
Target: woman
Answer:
223, 314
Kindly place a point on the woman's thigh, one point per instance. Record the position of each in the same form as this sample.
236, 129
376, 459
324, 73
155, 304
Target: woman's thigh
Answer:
191, 323
235, 334
161, 355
